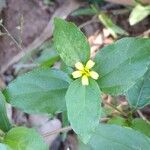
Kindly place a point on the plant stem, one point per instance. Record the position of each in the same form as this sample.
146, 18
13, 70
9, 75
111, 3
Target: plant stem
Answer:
15, 41
142, 116
19, 46
112, 106
65, 129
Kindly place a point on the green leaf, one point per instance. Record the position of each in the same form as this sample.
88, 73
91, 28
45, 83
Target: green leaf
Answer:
4, 122
24, 139
96, 1
65, 121
48, 55
83, 12
141, 126
139, 13
112, 137
70, 43
48, 58
83, 105
66, 68
139, 94
34, 53
117, 120
122, 64
39, 91
113, 28
48, 2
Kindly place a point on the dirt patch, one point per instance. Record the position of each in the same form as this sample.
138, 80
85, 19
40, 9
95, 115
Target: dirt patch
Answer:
35, 18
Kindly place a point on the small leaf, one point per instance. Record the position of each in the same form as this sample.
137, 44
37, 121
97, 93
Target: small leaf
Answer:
48, 58
141, 126
4, 122
39, 91
139, 94
122, 64
96, 1
34, 53
83, 12
113, 28
70, 43
113, 137
24, 139
117, 120
139, 13
83, 106
48, 2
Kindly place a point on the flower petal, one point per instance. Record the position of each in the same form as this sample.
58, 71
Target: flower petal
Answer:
79, 66
85, 80
90, 64
94, 75
77, 74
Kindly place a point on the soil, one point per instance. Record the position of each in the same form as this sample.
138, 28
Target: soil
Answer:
35, 18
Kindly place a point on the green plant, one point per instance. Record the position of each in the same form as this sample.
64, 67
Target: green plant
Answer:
116, 70
103, 17
48, 2
139, 13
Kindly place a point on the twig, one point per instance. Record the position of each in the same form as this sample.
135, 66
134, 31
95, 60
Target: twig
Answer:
24, 66
104, 119
62, 12
119, 11
65, 129
145, 33
112, 106
142, 116
14, 40
88, 22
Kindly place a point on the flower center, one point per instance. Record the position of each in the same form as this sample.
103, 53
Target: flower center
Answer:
86, 72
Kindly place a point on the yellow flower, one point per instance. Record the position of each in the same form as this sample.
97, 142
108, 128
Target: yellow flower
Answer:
85, 72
